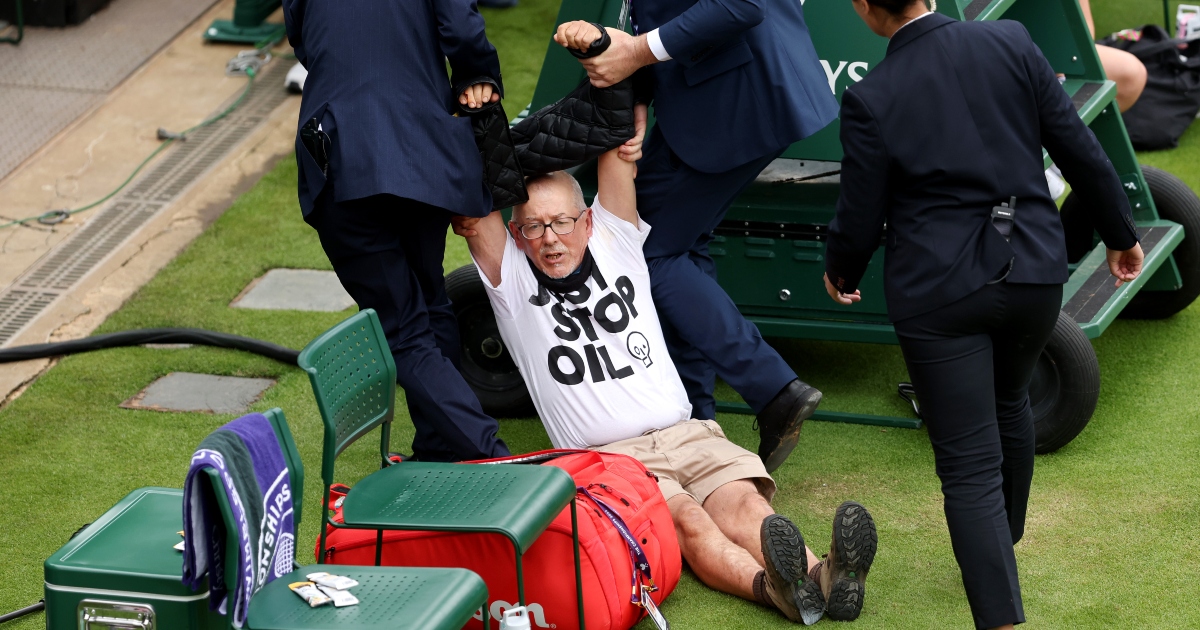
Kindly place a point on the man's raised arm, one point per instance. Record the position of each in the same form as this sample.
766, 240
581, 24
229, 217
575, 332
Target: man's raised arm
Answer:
617, 169
486, 240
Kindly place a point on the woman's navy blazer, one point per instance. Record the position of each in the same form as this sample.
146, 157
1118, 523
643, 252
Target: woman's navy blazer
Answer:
950, 124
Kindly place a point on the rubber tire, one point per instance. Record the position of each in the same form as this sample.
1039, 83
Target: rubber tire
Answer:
494, 379
1175, 202
1065, 386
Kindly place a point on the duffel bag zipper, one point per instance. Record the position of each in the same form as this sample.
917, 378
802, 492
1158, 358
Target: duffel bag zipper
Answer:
617, 495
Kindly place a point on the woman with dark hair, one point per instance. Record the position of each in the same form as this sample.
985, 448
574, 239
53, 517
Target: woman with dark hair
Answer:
943, 156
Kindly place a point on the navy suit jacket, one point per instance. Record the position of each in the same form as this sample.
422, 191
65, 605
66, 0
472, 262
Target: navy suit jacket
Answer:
377, 83
951, 123
744, 80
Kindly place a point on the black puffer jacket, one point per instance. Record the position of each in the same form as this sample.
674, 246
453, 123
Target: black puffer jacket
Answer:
582, 126
577, 128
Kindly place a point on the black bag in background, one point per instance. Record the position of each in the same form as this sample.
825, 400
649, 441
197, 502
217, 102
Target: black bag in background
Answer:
1172, 95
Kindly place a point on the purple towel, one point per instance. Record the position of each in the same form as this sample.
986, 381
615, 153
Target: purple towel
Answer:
255, 480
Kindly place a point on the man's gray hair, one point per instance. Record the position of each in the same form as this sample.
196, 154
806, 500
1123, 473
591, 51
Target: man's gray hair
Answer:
532, 184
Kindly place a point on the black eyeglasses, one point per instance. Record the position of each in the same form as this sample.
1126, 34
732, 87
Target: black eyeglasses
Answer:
561, 226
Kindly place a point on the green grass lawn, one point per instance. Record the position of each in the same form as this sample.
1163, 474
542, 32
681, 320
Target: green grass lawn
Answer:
1111, 540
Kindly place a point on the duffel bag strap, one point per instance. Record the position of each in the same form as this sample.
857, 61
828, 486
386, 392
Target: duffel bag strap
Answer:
637, 556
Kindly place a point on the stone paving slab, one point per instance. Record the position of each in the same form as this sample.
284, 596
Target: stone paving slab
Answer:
185, 391
295, 290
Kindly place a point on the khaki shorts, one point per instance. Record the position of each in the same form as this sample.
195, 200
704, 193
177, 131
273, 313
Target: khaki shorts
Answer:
694, 458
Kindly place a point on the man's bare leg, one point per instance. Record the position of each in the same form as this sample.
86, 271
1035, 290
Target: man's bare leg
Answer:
738, 511
728, 566
716, 560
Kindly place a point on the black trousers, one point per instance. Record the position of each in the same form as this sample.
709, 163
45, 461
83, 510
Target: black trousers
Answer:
971, 363
387, 252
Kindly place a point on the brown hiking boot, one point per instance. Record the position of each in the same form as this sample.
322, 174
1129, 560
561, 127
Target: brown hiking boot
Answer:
789, 587
843, 573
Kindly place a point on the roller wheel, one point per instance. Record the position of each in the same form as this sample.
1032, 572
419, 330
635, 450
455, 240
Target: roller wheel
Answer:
1065, 386
1175, 202
486, 364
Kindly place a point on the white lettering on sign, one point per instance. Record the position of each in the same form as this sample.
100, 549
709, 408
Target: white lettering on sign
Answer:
536, 615
831, 74
855, 71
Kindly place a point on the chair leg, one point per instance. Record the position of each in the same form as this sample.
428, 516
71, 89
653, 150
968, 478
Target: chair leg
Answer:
324, 525
520, 577
378, 547
578, 573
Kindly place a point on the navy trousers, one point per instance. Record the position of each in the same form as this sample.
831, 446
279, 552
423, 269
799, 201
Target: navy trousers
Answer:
387, 252
706, 335
971, 363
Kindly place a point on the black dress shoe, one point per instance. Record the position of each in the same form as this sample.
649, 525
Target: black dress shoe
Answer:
780, 421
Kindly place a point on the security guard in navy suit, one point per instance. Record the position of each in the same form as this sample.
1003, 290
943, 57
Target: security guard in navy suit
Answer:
943, 143
735, 82
383, 161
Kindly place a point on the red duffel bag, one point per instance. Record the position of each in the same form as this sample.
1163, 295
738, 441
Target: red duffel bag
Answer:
617, 482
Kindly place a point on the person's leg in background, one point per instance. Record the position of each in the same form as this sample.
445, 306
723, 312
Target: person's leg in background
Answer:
425, 252
1127, 71
1033, 311
706, 332
1121, 67
949, 355
698, 377
365, 240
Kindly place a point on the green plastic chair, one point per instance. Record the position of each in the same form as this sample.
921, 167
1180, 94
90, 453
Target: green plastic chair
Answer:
389, 597
354, 379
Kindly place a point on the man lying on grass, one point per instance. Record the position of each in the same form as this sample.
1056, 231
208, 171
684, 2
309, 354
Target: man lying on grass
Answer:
571, 293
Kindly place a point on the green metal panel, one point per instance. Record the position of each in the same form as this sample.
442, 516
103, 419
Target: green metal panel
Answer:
825, 329
834, 416
127, 555
134, 540
848, 50
1109, 128
1058, 28
389, 598
516, 501
1167, 278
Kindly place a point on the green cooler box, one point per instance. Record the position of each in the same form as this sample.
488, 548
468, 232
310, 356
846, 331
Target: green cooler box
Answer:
123, 572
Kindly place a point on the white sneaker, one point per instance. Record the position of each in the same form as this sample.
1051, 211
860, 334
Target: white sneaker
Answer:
295, 79
1055, 181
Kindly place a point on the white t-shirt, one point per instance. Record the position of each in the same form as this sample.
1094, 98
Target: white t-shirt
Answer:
594, 359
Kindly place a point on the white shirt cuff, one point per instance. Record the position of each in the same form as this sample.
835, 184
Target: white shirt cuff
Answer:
656, 46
